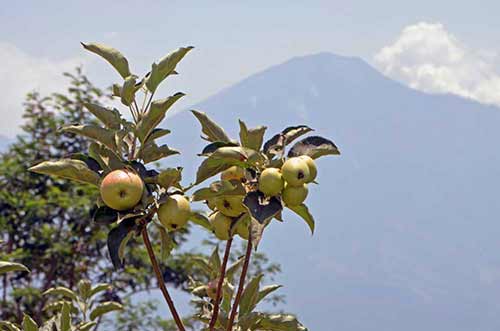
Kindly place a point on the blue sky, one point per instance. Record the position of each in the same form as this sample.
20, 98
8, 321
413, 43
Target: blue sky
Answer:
233, 39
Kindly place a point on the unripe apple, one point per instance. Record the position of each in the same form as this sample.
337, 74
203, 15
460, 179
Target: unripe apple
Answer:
294, 195
175, 212
211, 203
221, 224
230, 205
313, 171
233, 172
271, 182
121, 189
295, 171
242, 229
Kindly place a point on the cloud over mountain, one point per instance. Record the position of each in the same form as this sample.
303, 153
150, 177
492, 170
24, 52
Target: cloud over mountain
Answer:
429, 58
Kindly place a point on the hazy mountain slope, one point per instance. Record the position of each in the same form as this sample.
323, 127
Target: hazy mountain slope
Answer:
407, 218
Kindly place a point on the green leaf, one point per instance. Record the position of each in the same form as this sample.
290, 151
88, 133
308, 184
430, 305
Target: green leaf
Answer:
208, 169
86, 326
9, 326
303, 212
106, 158
84, 287
155, 134
12, 266
65, 317
227, 296
169, 177
279, 322
212, 147
214, 261
57, 306
200, 219
219, 188
114, 57
250, 295
29, 324
165, 67
49, 325
233, 268
94, 132
111, 118
154, 115
105, 215
105, 308
128, 90
167, 244
61, 290
266, 290
116, 236
314, 147
251, 138
152, 152
67, 168
277, 143
213, 132
99, 288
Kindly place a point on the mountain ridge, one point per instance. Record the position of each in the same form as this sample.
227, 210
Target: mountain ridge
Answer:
405, 227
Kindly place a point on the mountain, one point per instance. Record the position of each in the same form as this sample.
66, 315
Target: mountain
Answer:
408, 236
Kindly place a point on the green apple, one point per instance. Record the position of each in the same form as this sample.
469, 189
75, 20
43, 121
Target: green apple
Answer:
121, 189
211, 203
295, 171
271, 182
230, 205
294, 195
175, 212
233, 172
221, 224
242, 229
313, 171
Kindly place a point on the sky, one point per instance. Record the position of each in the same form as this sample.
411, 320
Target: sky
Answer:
436, 46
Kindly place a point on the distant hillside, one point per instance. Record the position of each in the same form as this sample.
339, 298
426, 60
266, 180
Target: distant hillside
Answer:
408, 231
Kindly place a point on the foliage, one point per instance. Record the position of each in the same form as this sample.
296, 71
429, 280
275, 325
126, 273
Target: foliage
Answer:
136, 198
70, 310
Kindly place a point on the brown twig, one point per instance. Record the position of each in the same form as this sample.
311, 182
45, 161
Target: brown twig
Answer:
222, 275
241, 285
161, 281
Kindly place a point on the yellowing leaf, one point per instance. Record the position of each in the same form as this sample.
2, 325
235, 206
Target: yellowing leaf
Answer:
213, 132
67, 168
12, 266
109, 117
105, 308
303, 212
165, 67
113, 56
94, 132
155, 115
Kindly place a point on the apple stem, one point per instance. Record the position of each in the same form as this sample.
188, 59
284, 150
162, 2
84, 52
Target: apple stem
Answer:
240, 285
161, 281
222, 275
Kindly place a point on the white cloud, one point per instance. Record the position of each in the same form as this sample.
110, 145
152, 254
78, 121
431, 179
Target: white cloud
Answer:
20, 73
429, 58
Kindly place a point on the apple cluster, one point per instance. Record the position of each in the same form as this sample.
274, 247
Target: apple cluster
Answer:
123, 189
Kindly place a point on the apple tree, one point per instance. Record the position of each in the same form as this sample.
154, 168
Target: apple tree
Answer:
258, 179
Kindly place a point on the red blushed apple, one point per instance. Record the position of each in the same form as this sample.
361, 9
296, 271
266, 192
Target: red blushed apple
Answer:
121, 189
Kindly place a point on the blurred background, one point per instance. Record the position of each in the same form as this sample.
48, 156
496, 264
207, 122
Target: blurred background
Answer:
407, 217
